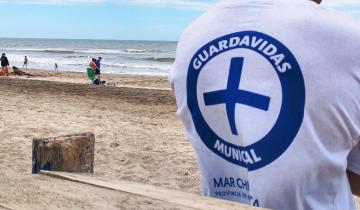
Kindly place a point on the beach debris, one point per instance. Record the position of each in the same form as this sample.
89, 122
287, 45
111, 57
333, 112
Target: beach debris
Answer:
110, 84
114, 144
70, 153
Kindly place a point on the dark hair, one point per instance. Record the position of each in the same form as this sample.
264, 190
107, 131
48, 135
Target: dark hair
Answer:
93, 59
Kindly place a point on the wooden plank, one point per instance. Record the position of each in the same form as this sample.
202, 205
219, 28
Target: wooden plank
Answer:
171, 196
3, 206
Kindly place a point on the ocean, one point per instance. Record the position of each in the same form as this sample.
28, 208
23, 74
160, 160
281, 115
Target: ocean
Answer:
119, 57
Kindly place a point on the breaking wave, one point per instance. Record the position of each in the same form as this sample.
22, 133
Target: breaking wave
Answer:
161, 59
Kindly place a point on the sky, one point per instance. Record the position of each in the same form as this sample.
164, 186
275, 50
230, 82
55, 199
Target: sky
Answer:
112, 19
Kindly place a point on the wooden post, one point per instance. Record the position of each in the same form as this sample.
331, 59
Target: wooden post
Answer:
70, 153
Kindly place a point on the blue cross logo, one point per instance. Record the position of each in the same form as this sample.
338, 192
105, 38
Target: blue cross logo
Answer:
273, 144
233, 95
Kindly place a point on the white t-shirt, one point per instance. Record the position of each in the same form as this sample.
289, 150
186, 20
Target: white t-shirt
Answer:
269, 92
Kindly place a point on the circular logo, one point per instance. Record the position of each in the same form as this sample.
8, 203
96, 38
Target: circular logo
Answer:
279, 138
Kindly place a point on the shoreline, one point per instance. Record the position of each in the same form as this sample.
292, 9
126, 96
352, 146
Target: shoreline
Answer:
120, 80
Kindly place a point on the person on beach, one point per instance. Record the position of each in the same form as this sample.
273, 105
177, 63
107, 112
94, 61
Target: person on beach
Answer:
269, 95
56, 67
4, 65
93, 65
98, 65
91, 71
18, 72
25, 62
97, 79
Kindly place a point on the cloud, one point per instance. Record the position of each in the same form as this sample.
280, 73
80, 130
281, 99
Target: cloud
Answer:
184, 4
345, 5
341, 3
188, 4
351, 7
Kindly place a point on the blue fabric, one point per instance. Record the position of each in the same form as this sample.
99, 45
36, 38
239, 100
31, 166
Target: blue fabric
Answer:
98, 63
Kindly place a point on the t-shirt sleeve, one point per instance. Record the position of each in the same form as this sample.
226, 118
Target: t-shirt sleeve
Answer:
354, 160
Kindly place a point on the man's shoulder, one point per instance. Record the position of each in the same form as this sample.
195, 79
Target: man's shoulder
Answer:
334, 20
316, 20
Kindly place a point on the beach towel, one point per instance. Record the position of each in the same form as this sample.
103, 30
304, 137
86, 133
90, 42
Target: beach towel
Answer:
90, 74
18, 72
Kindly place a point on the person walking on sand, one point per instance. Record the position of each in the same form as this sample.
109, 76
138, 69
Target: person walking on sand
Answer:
271, 103
56, 67
26, 60
4, 65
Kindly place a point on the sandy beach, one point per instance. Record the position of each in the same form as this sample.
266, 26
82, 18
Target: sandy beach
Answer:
138, 138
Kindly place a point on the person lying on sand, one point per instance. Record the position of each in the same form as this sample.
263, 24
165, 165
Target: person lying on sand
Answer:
18, 72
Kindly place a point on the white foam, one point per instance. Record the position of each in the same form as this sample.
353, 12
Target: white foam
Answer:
48, 50
139, 66
111, 51
90, 51
120, 57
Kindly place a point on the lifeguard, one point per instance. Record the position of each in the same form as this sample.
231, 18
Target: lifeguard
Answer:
269, 95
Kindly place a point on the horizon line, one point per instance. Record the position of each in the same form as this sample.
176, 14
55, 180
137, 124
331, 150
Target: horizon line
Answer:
92, 39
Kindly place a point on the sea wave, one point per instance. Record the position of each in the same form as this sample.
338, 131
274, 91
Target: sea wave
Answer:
34, 61
137, 66
14, 58
161, 59
115, 52
83, 51
79, 56
46, 50
60, 51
